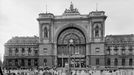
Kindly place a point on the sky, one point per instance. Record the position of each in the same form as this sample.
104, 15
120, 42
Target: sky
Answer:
18, 17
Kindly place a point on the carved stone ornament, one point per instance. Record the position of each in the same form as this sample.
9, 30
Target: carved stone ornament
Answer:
71, 33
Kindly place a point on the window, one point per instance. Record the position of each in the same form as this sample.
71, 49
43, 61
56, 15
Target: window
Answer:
108, 50
22, 62
97, 61
115, 61
29, 62
45, 50
29, 50
130, 50
23, 50
97, 49
45, 62
123, 50
16, 50
9, 62
35, 62
130, 62
10, 51
108, 62
123, 62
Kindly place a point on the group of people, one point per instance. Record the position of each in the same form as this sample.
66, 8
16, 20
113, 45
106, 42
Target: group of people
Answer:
64, 72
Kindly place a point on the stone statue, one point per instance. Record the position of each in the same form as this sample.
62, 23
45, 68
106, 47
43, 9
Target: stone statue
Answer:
96, 33
45, 32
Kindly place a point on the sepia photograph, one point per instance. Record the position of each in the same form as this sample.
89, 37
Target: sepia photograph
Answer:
66, 37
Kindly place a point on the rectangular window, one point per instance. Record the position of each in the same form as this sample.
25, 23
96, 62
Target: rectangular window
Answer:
45, 50
29, 62
130, 62
10, 52
35, 62
97, 49
16, 50
97, 61
123, 62
29, 50
108, 50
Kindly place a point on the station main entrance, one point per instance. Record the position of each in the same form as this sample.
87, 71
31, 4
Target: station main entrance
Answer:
71, 48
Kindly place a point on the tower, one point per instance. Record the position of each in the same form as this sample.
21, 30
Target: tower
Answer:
97, 23
45, 38
97, 19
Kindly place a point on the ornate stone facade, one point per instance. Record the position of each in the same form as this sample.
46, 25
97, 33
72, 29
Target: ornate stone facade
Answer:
21, 52
120, 51
71, 38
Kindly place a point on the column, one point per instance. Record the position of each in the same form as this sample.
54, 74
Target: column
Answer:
19, 51
80, 62
62, 50
26, 51
62, 61
74, 62
55, 53
112, 62
127, 61
73, 49
119, 62
79, 49
13, 51
32, 51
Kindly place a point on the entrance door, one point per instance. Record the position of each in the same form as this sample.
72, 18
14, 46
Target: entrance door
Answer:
71, 48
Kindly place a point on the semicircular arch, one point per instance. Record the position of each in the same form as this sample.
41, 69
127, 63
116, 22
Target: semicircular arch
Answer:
69, 26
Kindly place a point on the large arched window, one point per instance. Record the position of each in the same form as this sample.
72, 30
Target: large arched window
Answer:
71, 42
74, 38
115, 61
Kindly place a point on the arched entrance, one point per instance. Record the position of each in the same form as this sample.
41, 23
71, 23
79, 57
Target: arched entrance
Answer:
71, 48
